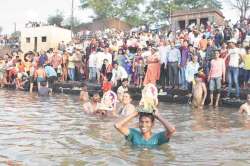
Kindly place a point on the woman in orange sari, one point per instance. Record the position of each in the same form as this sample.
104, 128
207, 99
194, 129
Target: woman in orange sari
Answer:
153, 70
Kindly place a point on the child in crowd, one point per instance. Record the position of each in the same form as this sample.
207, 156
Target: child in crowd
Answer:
140, 73
40, 75
106, 84
106, 70
199, 92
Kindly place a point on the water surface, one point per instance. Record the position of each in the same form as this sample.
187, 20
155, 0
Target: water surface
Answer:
55, 131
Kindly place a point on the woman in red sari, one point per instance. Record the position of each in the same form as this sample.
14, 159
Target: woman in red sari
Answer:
153, 70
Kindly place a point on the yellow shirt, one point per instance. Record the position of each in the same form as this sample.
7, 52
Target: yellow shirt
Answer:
246, 61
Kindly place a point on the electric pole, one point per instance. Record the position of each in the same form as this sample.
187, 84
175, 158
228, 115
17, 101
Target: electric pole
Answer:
72, 17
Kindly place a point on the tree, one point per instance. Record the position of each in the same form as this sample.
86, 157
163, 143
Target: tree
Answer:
56, 19
67, 22
1, 29
102, 8
194, 4
161, 9
242, 5
16, 35
123, 9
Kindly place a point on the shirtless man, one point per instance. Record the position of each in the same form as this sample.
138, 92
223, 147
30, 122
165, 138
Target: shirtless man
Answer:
246, 106
199, 93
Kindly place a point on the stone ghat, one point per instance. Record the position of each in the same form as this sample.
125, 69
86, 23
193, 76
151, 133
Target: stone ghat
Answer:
171, 96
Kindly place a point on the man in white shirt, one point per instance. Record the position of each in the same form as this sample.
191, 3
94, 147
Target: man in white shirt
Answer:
99, 61
107, 55
163, 51
92, 66
118, 74
233, 68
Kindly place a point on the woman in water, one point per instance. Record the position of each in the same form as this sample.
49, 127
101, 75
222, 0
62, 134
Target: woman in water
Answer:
145, 137
126, 108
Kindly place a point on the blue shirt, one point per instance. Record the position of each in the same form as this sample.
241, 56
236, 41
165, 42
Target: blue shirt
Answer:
136, 138
50, 71
42, 59
174, 55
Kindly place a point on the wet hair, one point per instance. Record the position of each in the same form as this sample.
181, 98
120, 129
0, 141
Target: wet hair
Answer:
148, 115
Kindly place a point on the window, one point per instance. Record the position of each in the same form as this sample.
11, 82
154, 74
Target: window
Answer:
44, 39
27, 39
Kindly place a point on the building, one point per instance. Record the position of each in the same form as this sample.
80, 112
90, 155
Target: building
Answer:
183, 18
43, 37
102, 24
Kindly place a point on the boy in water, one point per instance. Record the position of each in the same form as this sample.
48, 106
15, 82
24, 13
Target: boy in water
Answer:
246, 106
145, 137
199, 92
43, 90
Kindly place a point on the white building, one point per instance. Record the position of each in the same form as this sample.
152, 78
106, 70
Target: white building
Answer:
43, 38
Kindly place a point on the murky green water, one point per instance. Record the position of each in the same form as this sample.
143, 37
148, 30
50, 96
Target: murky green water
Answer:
54, 131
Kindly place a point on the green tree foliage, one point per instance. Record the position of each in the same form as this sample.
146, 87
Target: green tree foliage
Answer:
56, 19
123, 9
1, 29
102, 8
193, 4
159, 9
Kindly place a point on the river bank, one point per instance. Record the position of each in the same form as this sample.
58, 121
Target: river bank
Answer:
170, 96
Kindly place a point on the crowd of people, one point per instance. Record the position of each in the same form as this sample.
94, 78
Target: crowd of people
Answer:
193, 59
217, 54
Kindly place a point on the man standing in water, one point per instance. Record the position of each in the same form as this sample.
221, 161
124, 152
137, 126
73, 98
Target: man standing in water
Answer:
145, 137
199, 92
246, 106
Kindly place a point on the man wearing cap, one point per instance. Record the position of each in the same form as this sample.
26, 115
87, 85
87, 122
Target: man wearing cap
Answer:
233, 67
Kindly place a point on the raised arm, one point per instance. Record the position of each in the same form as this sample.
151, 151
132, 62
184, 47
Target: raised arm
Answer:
170, 129
121, 125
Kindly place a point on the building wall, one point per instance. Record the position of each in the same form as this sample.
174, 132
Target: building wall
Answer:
104, 24
53, 35
212, 17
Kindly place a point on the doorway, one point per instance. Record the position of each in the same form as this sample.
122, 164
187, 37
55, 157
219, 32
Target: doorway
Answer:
204, 21
182, 24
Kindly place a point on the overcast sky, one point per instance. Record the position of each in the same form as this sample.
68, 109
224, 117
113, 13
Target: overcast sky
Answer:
21, 11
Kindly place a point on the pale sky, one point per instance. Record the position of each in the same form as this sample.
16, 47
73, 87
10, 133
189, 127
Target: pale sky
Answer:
21, 11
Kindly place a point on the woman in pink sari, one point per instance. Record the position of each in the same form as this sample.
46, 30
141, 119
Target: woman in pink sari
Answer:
153, 70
